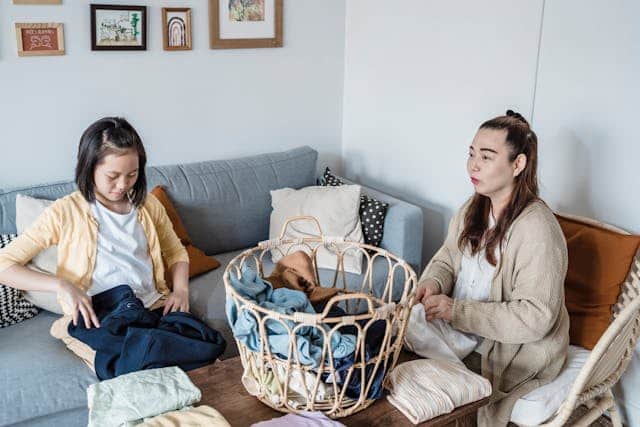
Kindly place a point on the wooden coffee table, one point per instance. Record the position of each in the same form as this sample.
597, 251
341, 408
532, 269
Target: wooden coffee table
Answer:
221, 388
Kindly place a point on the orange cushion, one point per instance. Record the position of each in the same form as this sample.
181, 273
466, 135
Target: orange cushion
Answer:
599, 261
199, 262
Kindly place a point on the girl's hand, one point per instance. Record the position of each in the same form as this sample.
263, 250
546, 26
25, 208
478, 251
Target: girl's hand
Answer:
78, 301
438, 307
426, 289
178, 300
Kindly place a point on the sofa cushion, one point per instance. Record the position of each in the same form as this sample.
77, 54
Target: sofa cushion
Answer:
28, 209
199, 263
540, 404
336, 210
599, 261
225, 204
38, 376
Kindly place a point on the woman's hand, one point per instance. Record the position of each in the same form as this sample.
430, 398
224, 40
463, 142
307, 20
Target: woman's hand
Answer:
426, 289
178, 300
78, 301
438, 307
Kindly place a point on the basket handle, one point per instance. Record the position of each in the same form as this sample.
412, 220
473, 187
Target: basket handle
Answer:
300, 218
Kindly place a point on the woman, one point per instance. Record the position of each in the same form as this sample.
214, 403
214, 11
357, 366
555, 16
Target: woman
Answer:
497, 283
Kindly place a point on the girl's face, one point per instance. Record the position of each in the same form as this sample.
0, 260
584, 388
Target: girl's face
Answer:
491, 171
115, 175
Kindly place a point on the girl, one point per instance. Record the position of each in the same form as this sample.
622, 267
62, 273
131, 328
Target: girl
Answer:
497, 283
113, 243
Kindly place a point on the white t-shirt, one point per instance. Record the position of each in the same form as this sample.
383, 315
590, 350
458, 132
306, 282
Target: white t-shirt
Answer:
122, 256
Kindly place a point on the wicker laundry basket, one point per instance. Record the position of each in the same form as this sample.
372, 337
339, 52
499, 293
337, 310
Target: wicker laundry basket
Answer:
283, 381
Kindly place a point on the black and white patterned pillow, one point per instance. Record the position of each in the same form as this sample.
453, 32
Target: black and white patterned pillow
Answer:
372, 211
13, 307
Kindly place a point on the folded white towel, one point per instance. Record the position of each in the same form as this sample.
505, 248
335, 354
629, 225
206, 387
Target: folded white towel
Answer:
425, 388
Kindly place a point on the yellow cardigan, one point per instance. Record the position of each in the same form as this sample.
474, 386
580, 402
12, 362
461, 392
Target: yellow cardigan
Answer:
69, 224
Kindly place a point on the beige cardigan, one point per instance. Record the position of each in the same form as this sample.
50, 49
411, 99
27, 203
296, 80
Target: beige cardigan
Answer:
525, 322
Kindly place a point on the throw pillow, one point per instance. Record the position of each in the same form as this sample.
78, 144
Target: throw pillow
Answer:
13, 307
599, 261
372, 211
28, 209
336, 209
199, 262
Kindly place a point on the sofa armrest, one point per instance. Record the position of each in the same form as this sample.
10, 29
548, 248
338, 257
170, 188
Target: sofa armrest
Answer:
402, 234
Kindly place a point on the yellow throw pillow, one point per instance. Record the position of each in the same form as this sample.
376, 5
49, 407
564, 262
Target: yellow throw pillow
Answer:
199, 262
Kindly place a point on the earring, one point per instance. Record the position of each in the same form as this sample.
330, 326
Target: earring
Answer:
130, 196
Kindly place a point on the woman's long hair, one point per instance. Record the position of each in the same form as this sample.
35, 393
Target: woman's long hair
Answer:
520, 140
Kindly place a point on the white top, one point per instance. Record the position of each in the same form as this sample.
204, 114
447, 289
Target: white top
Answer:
473, 283
437, 338
122, 256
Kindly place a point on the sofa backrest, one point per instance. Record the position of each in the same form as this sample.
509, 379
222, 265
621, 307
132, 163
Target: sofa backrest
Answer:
224, 204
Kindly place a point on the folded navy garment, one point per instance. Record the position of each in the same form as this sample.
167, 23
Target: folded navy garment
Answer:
372, 343
309, 340
131, 338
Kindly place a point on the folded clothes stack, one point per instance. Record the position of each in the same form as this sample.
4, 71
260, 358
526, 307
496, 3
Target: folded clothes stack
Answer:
426, 388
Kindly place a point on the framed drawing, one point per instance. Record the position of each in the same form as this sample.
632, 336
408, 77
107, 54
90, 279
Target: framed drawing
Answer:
37, 1
115, 27
176, 28
40, 39
237, 24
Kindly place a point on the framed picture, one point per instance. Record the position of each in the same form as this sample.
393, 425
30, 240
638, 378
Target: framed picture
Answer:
237, 24
176, 28
116, 27
40, 39
37, 1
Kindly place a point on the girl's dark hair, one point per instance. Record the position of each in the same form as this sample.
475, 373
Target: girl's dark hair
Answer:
520, 140
110, 135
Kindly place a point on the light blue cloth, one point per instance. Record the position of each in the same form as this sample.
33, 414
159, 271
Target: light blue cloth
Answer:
309, 339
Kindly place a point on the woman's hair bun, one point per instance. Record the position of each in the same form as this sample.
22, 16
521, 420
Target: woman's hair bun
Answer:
517, 116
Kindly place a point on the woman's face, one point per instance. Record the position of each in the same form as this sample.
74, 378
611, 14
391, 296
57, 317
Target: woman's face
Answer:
115, 175
491, 172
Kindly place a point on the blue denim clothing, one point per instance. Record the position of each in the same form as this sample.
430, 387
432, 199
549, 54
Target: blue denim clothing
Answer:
309, 339
131, 338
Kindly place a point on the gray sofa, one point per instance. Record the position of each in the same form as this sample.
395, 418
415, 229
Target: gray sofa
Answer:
225, 206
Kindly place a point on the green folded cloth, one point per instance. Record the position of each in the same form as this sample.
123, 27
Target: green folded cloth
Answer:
139, 395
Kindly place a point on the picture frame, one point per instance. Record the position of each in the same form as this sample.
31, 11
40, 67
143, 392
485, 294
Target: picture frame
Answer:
118, 27
40, 39
37, 1
176, 28
245, 24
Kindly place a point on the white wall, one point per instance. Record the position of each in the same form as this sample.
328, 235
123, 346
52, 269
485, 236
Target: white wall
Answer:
188, 106
586, 110
420, 78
